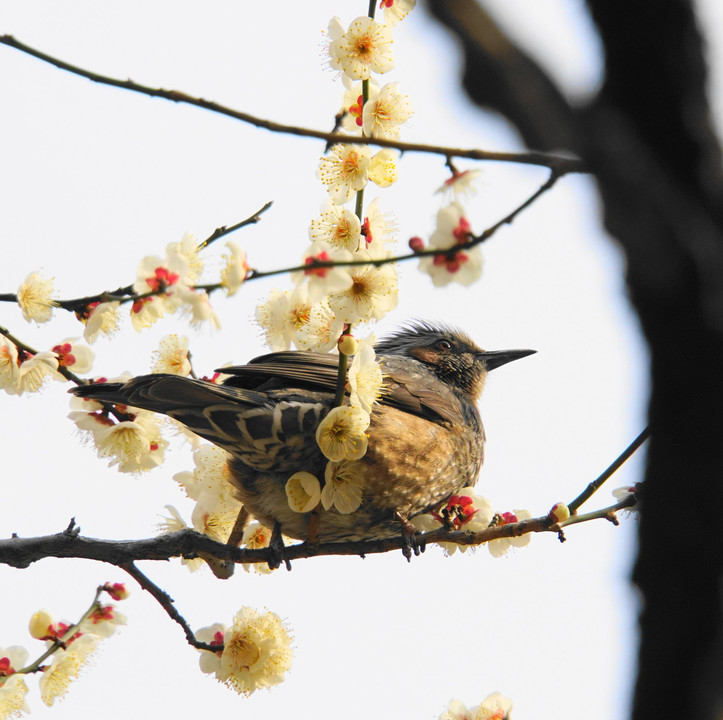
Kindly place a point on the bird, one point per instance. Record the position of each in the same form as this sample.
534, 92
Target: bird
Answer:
425, 441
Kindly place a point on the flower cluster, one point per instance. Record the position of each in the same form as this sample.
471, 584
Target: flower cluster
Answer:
463, 265
330, 296
342, 438
256, 651
129, 437
22, 371
69, 646
471, 512
162, 286
209, 486
493, 707
166, 285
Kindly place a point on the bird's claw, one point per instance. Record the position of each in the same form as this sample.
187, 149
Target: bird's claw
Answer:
409, 538
277, 547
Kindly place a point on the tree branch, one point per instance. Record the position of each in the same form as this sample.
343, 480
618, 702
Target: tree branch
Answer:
559, 163
22, 552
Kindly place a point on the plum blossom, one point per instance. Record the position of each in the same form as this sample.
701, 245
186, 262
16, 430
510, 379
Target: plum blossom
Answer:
460, 183
303, 492
494, 707
383, 168
172, 356
256, 651
100, 319
386, 112
72, 355
463, 511
364, 48
288, 317
12, 683
396, 10
337, 227
236, 269
365, 376
352, 104
378, 230
66, 666
343, 486
196, 305
462, 266
322, 281
34, 370
500, 546
341, 434
345, 171
35, 298
9, 366
372, 294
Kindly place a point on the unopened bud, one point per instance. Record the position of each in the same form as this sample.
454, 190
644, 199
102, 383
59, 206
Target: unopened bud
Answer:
559, 512
348, 345
118, 591
416, 244
39, 625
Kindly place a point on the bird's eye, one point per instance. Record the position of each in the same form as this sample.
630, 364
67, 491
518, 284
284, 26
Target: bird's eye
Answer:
444, 345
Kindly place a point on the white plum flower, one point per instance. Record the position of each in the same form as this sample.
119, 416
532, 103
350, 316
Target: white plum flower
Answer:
35, 298
352, 104
396, 10
383, 168
196, 305
462, 266
386, 112
337, 227
172, 356
345, 171
256, 651
341, 434
378, 230
9, 367
35, 369
322, 281
74, 356
65, 667
102, 319
364, 48
12, 683
303, 492
235, 270
289, 317
372, 294
365, 376
500, 546
343, 486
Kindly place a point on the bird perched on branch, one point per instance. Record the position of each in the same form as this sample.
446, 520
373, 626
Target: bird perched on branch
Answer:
425, 441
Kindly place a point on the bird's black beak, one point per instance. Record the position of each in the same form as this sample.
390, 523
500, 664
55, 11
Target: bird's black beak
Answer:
496, 358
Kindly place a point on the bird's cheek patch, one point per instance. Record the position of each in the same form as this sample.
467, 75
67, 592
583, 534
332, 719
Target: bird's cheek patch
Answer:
425, 355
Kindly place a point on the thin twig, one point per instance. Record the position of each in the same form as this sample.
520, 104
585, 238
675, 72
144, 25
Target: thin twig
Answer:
595, 485
561, 164
166, 602
226, 230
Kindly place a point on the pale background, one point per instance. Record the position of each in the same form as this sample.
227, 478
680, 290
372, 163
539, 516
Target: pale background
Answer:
94, 178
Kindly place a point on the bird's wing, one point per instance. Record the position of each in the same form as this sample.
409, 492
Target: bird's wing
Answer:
409, 386
306, 369
263, 430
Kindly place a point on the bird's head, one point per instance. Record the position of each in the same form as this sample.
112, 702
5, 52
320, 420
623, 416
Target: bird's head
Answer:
450, 354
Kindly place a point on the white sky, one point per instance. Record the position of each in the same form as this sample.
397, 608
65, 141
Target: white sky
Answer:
96, 178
